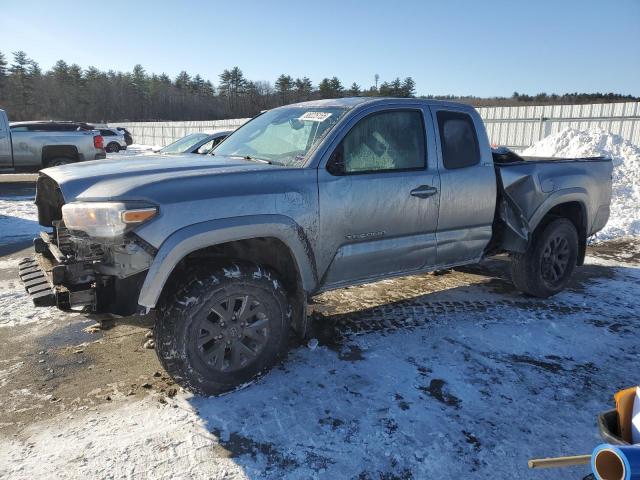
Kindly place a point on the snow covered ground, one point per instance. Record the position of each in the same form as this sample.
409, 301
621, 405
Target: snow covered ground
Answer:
466, 382
453, 376
18, 217
133, 149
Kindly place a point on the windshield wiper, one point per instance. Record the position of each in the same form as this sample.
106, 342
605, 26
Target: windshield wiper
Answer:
252, 159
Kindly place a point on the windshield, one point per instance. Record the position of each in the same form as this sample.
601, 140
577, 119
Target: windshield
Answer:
184, 144
282, 136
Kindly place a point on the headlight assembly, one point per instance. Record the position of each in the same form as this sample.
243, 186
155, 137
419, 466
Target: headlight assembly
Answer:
106, 220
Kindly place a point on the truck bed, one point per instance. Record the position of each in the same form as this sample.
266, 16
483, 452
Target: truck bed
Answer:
504, 156
528, 186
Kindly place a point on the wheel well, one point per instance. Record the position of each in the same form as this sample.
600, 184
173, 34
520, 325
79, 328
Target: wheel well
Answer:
268, 251
575, 213
57, 151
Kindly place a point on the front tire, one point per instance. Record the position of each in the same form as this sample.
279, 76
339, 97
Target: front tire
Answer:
223, 329
546, 267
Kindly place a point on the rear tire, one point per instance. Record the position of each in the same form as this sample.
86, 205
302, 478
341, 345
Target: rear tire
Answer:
56, 162
223, 329
113, 147
547, 265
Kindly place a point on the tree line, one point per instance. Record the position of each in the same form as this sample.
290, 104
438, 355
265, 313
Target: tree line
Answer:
70, 92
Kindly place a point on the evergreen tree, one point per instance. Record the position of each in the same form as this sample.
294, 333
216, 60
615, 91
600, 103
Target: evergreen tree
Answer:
183, 80
354, 90
20, 83
284, 85
408, 88
3, 79
303, 88
324, 88
330, 88
336, 87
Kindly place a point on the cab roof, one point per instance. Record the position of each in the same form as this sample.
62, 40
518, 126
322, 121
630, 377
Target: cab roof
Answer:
352, 102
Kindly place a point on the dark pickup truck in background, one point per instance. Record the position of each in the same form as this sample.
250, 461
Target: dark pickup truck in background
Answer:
226, 249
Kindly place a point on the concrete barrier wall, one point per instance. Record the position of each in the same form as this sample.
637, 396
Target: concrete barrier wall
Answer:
163, 133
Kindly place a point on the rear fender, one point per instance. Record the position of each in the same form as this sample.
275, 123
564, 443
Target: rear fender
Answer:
519, 233
576, 194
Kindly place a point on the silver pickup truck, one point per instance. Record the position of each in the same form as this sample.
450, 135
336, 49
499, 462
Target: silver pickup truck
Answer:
226, 250
31, 147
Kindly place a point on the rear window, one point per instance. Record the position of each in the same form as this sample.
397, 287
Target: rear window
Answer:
458, 140
45, 127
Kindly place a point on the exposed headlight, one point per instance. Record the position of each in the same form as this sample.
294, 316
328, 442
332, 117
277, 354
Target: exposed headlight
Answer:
105, 219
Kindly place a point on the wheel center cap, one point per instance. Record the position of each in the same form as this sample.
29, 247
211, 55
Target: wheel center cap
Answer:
233, 332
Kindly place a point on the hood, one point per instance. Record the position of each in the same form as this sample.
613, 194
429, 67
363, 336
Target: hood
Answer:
121, 178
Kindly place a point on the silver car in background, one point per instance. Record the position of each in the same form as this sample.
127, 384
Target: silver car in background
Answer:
200, 143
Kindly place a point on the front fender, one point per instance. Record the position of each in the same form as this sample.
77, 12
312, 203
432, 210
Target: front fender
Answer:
215, 232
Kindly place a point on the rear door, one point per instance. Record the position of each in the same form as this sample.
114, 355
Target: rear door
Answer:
380, 215
467, 179
6, 159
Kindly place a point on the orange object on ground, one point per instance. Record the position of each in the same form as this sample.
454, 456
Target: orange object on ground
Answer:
624, 406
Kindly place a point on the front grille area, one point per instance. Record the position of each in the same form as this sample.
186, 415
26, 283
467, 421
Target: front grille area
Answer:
49, 201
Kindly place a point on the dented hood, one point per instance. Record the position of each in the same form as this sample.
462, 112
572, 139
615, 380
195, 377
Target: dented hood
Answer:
135, 176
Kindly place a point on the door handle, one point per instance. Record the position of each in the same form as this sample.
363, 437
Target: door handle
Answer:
424, 191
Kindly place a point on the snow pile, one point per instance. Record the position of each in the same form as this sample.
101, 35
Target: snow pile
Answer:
135, 149
625, 201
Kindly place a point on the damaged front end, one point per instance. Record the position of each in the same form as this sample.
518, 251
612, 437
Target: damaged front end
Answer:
76, 270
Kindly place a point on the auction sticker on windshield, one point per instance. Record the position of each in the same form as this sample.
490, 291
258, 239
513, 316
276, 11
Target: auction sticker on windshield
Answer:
315, 116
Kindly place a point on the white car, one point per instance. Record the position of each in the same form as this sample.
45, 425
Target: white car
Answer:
113, 140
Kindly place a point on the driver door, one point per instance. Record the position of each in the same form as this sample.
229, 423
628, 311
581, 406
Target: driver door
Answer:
379, 198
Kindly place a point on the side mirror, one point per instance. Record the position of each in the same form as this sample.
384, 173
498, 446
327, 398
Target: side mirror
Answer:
203, 150
336, 165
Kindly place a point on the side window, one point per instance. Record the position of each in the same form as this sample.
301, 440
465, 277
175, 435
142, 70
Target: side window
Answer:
458, 140
20, 128
107, 133
385, 141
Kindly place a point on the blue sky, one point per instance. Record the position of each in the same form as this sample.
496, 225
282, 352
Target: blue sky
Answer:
483, 48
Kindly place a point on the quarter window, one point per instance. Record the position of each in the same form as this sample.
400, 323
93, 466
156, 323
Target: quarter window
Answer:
458, 140
385, 141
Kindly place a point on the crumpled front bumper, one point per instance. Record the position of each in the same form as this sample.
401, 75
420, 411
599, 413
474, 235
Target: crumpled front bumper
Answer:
43, 278
52, 279
36, 282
